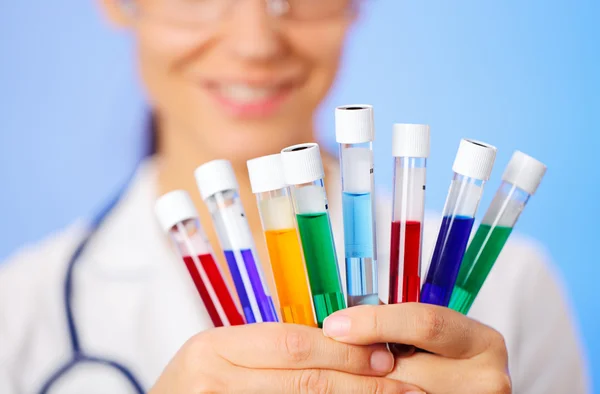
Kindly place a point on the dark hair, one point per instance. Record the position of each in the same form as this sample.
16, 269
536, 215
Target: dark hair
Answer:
152, 140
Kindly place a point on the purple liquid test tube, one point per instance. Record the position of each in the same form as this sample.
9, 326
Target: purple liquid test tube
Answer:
219, 189
472, 168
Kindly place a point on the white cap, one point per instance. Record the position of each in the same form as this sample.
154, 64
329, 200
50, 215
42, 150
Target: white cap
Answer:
302, 164
410, 140
266, 173
524, 172
214, 177
474, 159
354, 124
174, 207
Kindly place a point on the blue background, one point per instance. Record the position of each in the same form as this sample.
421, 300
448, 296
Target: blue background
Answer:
517, 74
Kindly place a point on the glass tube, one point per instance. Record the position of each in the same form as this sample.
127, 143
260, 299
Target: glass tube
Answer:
358, 205
303, 162
355, 133
286, 257
236, 240
283, 243
410, 147
177, 213
407, 229
476, 161
521, 179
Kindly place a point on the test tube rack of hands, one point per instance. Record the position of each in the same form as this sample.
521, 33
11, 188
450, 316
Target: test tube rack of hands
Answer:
294, 212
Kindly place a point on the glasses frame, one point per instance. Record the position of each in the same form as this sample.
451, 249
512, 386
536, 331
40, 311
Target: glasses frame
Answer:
351, 9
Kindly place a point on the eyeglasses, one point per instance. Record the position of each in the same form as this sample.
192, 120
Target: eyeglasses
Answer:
204, 12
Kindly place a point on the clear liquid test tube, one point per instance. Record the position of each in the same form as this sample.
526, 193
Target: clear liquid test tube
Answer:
472, 168
283, 242
520, 181
355, 131
303, 172
410, 148
219, 189
177, 216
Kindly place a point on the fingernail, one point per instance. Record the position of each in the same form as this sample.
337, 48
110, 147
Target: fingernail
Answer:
382, 361
336, 326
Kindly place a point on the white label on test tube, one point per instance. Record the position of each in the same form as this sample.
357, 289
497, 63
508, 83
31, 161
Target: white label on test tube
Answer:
277, 213
357, 164
410, 205
234, 221
505, 208
464, 196
310, 199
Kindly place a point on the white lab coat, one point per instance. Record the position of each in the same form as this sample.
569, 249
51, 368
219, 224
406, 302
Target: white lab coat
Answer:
134, 303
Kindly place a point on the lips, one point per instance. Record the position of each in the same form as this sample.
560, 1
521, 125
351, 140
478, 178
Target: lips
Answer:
246, 94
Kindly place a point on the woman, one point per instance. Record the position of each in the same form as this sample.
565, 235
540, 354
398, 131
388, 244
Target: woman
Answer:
237, 80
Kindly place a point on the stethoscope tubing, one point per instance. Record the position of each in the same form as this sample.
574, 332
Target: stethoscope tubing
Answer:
78, 355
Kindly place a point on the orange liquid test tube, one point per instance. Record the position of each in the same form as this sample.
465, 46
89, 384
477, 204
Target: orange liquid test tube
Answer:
283, 243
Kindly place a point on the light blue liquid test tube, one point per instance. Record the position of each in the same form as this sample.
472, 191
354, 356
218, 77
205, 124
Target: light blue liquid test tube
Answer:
219, 190
472, 168
354, 131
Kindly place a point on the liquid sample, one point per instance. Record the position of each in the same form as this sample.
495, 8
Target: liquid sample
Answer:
447, 257
239, 286
361, 265
264, 301
220, 288
411, 277
321, 264
290, 276
477, 264
358, 225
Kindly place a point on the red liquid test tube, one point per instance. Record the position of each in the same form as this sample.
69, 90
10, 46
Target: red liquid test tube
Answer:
178, 217
410, 148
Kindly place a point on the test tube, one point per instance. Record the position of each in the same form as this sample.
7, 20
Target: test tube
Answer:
472, 168
410, 148
283, 244
521, 179
178, 217
354, 131
219, 189
303, 172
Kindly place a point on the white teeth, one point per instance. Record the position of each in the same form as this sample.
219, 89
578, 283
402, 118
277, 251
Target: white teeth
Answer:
245, 93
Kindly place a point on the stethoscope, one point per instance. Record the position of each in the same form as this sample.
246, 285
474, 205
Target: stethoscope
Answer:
78, 355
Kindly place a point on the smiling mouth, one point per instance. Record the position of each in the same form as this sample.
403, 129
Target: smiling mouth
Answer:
249, 100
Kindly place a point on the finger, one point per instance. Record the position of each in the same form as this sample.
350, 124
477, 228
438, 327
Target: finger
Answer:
317, 381
429, 327
439, 375
433, 373
290, 346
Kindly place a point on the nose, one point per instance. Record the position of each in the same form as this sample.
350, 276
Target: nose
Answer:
252, 34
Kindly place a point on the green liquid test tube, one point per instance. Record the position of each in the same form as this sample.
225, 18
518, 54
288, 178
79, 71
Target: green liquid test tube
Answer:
520, 181
303, 171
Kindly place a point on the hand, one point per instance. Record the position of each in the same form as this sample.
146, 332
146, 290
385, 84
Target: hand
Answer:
277, 358
464, 356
